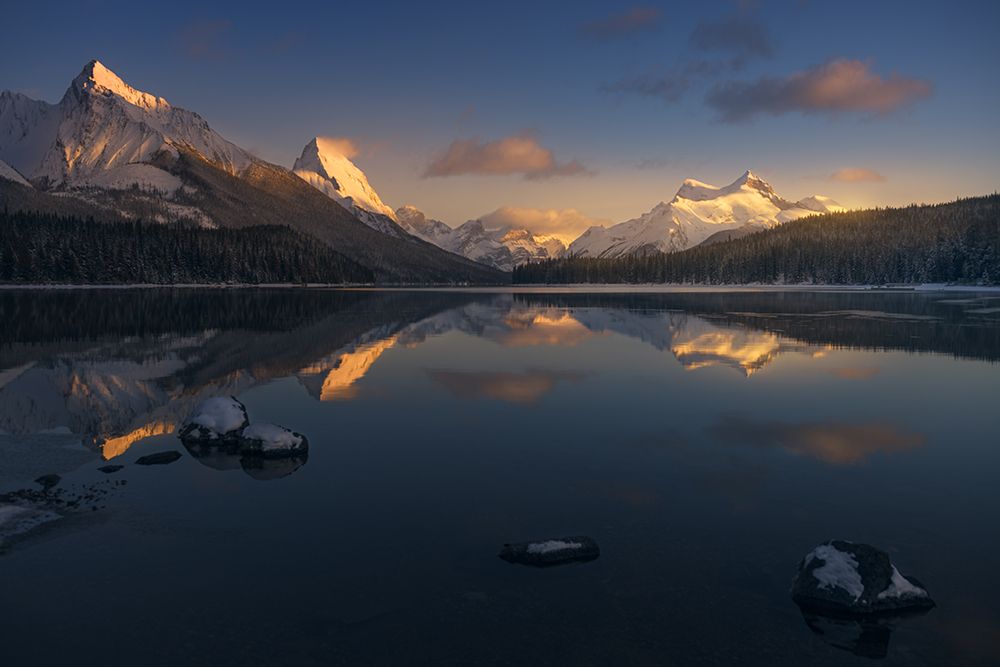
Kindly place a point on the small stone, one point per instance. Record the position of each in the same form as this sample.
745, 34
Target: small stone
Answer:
551, 552
159, 458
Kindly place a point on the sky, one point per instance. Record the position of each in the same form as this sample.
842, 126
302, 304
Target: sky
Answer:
561, 115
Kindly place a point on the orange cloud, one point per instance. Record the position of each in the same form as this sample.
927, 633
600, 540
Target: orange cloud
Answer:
341, 145
837, 444
857, 175
516, 154
833, 87
566, 224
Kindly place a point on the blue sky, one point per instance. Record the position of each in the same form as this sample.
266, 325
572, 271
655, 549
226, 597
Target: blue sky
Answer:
639, 96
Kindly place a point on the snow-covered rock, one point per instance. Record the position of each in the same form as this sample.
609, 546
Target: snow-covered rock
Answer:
324, 166
697, 212
551, 551
272, 441
842, 576
502, 248
104, 125
221, 418
18, 520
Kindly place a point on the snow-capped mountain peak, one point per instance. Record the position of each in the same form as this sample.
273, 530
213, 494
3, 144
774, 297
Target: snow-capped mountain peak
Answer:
698, 213
325, 165
326, 158
98, 79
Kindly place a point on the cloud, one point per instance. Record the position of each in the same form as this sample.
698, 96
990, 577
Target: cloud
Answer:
837, 86
516, 154
631, 21
742, 37
564, 223
205, 40
343, 145
833, 443
525, 387
857, 175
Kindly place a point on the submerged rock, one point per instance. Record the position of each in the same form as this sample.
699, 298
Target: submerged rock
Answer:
159, 458
108, 469
48, 481
845, 577
551, 552
221, 418
272, 441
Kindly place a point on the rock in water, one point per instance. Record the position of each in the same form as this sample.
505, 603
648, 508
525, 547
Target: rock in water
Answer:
108, 469
845, 577
272, 441
159, 458
48, 481
551, 552
218, 419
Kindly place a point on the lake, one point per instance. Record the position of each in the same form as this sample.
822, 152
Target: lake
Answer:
707, 440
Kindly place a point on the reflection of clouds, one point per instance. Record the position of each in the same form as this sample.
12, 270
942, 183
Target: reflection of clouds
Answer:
529, 329
523, 387
855, 373
838, 444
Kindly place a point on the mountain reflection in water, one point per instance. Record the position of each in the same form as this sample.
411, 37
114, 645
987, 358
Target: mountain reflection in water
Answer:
115, 367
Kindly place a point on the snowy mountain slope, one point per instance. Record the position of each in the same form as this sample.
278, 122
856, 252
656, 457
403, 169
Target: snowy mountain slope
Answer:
103, 125
502, 248
696, 213
112, 152
324, 166
8, 172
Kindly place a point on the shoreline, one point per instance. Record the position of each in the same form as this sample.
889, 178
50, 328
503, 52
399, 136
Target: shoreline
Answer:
611, 288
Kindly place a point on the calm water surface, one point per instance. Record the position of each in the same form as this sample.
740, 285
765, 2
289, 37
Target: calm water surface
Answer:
706, 440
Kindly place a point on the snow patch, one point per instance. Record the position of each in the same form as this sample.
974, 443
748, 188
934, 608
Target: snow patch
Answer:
552, 545
272, 437
219, 415
839, 570
900, 586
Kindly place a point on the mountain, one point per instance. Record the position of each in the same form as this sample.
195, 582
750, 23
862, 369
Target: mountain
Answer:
111, 152
957, 242
324, 166
502, 248
698, 213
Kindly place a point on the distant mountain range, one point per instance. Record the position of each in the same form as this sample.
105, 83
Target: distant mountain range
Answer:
700, 213
109, 151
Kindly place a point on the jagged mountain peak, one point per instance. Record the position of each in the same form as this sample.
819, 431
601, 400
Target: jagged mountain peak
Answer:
95, 78
325, 163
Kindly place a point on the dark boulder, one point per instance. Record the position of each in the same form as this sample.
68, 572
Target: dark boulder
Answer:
845, 577
551, 552
159, 458
48, 481
108, 469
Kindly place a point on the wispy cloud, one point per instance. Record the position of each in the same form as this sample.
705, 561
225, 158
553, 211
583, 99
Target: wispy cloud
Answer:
857, 175
343, 145
516, 154
631, 21
837, 86
565, 223
669, 85
740, 36
205, 40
